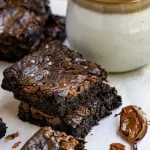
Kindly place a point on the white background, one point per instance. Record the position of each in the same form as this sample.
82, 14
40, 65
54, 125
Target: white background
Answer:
134, 87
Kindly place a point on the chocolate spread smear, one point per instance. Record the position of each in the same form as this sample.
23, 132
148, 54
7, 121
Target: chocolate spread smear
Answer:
133, 123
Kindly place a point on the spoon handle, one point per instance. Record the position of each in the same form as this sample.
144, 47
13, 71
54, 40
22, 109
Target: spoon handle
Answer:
135, 147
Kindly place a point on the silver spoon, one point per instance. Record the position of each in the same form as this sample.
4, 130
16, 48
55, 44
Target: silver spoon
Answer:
135, 147
130, 117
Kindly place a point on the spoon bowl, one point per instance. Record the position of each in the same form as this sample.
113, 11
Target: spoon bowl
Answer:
133, 124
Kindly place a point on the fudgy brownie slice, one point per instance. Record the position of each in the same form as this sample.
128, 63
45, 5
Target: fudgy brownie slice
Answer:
48, 139
21, 26
54, 77
78, 123
53, 29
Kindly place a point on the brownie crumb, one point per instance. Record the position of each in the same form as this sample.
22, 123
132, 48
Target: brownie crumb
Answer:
2, 128
16, 145
12, 136
117, 146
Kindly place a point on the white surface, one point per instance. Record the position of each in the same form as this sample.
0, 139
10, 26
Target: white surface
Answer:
133, 87
120, 42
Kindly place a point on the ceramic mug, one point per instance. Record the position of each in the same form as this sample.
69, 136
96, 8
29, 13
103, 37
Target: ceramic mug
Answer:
113, 33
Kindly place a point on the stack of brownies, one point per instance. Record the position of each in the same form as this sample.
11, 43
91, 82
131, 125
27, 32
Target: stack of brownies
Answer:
57, 87
24, 24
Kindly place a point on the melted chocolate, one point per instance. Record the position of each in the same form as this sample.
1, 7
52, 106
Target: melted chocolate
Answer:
133, 123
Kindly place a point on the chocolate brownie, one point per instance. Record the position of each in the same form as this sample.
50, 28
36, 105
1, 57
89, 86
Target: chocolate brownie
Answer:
21, 26
78, 123
54, 77
2, 128
24, 26
48, 139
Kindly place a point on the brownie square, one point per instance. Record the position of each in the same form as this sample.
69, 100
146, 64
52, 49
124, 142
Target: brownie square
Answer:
53, 29
54, 77
21, 26
25, 25
79, 122
48, 139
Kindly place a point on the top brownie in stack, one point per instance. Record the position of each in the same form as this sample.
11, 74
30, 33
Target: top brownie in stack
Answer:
21, 27
55, 79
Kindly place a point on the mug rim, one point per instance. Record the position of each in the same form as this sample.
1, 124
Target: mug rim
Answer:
113, 2
98, 6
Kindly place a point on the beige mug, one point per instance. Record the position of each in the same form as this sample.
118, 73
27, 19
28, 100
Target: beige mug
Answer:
113, 33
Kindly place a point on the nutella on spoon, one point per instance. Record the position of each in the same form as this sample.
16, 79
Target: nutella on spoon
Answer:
133, 123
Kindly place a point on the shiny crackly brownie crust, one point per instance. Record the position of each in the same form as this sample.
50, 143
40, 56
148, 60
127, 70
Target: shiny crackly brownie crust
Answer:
54, 77
79, 122
48, 139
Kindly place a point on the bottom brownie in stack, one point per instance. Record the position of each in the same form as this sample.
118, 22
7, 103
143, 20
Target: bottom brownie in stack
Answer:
77, 124
80, 121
